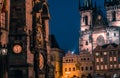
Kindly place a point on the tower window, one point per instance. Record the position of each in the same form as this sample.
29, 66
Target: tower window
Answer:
107, 34
85, 19
114, 34
86, 42
113, 16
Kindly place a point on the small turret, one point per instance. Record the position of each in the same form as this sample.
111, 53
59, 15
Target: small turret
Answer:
87, 5
111, 2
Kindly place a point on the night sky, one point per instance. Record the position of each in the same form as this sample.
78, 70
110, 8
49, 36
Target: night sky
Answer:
65, 22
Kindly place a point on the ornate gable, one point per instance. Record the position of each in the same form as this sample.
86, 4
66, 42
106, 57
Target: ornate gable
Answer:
99, 19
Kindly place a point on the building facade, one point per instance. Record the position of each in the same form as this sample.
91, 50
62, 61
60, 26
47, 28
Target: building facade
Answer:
4, 28
107, 61
85, 61
69, 66
56, 55
78, 66
24, 31
96, 28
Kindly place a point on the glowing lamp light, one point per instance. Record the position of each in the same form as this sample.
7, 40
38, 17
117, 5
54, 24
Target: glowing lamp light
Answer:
73, 52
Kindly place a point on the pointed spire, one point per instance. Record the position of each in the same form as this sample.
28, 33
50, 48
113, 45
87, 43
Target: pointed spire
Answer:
90, 4
79, 6
95, 5
105, 1
85, 3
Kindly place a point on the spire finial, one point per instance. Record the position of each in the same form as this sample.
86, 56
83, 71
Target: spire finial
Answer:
79, 6
95, 5
105, 1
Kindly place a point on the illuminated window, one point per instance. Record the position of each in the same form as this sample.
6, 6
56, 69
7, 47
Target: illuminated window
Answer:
97, 67
65, 69
115, 66
97, 59
97, 54
106, 67
119, 65
105, 53
101, 67
115, 59
111, 66
111, 59
101, 59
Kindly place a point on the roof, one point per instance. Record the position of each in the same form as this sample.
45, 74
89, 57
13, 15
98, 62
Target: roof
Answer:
106, 46
53, 42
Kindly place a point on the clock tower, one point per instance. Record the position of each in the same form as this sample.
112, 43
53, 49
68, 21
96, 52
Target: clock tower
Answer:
20, 59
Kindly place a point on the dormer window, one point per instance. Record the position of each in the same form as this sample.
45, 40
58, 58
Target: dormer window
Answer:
113, 16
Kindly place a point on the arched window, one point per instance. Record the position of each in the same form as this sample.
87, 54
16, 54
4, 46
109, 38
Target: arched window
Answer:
86, 42
113, 16
86, 20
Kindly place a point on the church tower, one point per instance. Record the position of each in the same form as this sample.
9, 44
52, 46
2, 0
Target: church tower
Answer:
86, 11
96, 28
20, 58
113, 12
28, 42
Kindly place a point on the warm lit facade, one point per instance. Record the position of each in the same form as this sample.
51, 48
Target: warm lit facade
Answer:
4, 22
70, 68
56, 61
96, 28
107, 61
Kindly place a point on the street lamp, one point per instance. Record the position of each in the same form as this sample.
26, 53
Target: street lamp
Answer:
3, 54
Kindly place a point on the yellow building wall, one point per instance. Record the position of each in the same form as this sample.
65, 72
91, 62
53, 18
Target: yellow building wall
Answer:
68, 73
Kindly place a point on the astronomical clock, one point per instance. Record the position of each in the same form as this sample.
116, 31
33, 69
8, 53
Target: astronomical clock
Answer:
100, 40
40, 23
17, 44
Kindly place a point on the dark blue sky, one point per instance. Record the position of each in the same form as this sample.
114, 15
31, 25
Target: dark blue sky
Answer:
65, 22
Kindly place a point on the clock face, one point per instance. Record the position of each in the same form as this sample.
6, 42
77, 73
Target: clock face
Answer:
17, 49
41, 61
100, 40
